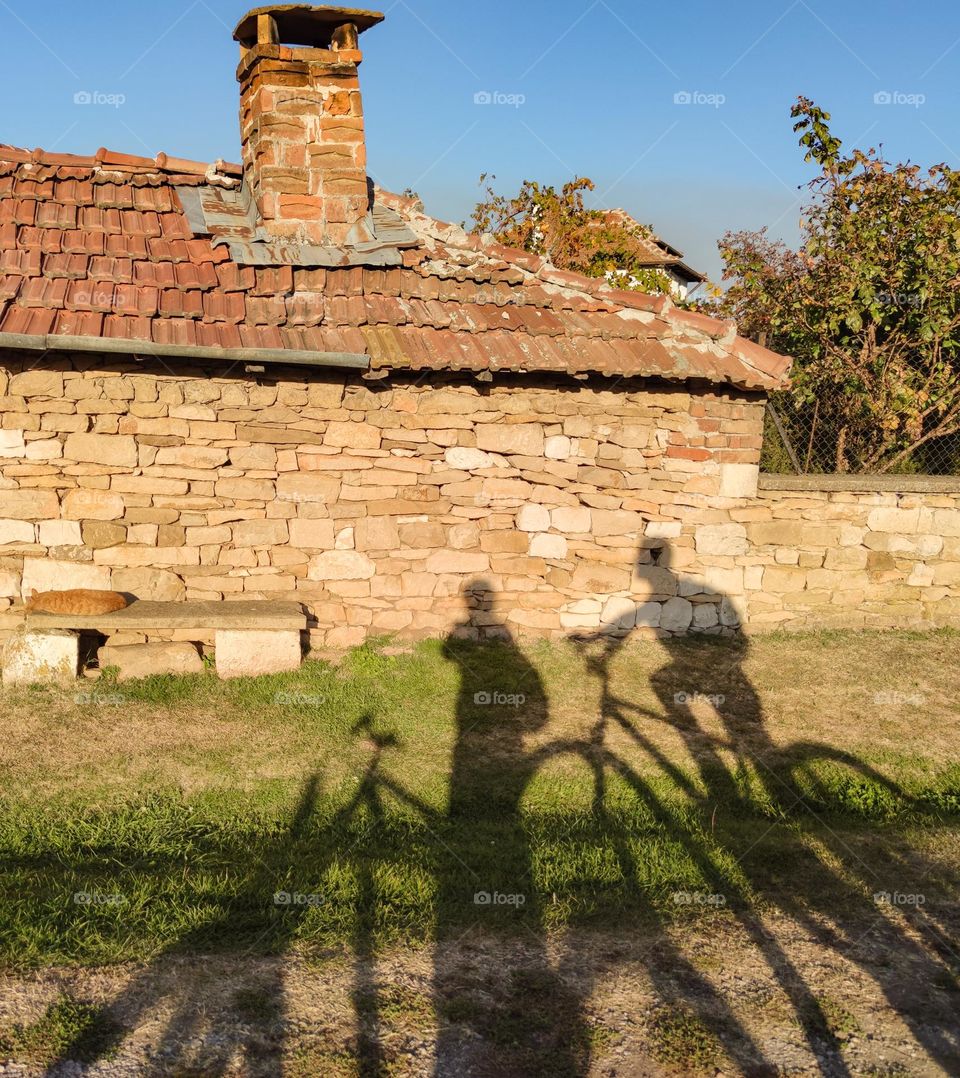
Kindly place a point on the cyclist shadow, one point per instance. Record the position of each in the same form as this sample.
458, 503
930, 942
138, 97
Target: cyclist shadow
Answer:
491, 914
708, 700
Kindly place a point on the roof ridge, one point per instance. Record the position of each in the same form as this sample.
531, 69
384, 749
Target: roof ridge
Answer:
119, 162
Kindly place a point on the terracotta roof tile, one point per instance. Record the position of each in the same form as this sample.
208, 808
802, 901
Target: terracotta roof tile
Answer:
180, 331
32, 321
44, 292
129, 299
79, 323
101, 246
224, 307
177, 304
234, 278
106, 268
128, 328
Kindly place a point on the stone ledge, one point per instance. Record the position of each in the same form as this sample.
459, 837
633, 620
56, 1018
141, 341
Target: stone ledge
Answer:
146, 616
899, 484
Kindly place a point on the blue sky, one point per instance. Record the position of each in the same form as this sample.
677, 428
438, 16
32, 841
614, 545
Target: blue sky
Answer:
578, 87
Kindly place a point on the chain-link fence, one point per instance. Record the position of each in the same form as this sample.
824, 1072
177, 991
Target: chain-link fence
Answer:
808, 439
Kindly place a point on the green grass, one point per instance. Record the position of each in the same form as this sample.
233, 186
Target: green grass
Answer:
680, 1039
166, 815
67, 1024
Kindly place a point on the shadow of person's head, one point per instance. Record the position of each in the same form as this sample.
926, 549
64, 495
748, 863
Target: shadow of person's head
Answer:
482, 620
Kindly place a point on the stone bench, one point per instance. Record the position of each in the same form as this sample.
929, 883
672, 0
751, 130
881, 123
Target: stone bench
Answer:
251, 638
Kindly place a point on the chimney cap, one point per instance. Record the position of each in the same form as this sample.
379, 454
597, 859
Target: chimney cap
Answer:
304, 24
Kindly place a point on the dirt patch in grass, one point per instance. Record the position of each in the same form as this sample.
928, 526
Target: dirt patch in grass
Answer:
676, 1003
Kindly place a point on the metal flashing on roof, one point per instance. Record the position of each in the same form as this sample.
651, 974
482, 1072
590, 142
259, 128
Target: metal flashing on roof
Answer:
229, 216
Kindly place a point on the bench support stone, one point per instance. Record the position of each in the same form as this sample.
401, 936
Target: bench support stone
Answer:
242, 653
34, 656
148, 660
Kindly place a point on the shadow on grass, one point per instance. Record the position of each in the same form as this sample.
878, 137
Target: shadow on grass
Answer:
500, 891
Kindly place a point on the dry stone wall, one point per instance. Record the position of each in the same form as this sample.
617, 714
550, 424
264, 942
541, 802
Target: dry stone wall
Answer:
578, 505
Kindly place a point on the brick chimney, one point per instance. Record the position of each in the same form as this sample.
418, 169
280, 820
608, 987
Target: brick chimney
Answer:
301, 121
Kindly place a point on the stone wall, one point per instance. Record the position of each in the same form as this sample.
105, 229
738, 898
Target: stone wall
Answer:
576, 504
852, 558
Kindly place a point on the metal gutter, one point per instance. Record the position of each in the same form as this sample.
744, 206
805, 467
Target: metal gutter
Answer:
56, 342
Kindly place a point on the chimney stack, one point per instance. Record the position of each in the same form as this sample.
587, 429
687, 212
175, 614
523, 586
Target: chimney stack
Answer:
301, 121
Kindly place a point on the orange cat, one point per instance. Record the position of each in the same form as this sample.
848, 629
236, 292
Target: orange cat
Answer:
82, 603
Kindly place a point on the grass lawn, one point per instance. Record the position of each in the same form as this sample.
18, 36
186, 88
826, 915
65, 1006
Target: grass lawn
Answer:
495, 808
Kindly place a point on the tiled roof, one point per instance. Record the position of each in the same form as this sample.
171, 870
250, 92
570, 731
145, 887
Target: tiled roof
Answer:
652, 251
101, 249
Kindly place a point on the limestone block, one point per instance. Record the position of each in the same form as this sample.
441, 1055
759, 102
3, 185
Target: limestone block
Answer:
254, 458
533, 518
468, 460
947, 574
730, 613
37, 383
946, 522
663, 529
505, 542
739, 480
251, 653
511, 438
17, 531
352, 436
32, 657
246, 490
311, 534
376, 533
260, 533
619, 614
11, 443
42, 449
59, 533
29, 504
92, 505
780, 579
721, 539
148, 660
706, 615
151, 585
546, 545
457, 561
109, 450
608, 522
9, 584
595, 577
775, 533
307, 487
653, 581
649, 615
192, 456
558, 447
102, 534
572, 520
906, 521
47, 574
677, 615
922, 576
341, 565
845, 557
